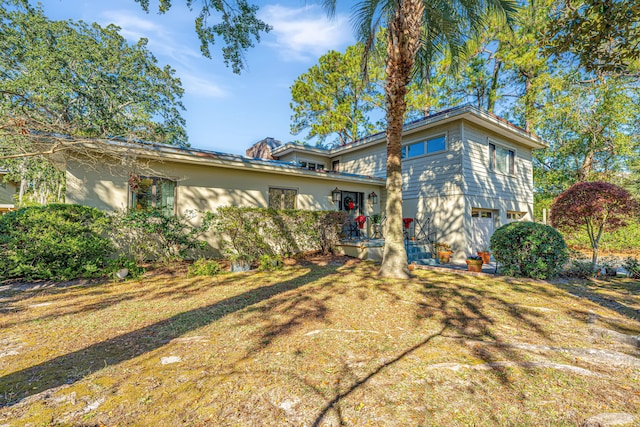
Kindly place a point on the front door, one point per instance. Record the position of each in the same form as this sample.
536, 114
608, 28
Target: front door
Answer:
352, 202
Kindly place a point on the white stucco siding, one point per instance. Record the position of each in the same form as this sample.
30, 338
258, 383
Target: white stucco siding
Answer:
479, 180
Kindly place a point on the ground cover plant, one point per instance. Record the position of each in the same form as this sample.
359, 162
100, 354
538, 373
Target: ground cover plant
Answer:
321, 342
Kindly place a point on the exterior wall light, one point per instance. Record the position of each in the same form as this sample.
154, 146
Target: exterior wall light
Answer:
336, 195
373, 198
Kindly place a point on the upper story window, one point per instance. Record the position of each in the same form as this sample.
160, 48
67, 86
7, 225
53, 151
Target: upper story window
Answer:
428, 146
501, 159
282, 198
152, 193
312, 166
335, 165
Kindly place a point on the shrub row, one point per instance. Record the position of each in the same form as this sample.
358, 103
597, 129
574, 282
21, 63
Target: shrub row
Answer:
64, 242
251, 233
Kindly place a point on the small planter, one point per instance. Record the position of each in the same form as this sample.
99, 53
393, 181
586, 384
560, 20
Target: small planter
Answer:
445, 256
474, 265
240, 265
486, 256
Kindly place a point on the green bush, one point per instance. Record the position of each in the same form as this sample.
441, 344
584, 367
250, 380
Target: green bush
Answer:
204, 267
529, 249
270, 263
632, 266
56, 241
134, 271
249, 233
150, 235
582, 269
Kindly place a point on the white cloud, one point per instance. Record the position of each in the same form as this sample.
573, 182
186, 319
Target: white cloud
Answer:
161, 40
306, 32
201, 87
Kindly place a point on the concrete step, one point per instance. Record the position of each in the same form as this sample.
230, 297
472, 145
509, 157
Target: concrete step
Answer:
427, 261
419, 255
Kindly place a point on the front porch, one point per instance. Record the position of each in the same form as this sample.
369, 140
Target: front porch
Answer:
419, 253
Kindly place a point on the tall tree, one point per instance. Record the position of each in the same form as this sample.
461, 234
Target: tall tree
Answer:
64, 82
603, 34
417, 31
333, 98
592, 125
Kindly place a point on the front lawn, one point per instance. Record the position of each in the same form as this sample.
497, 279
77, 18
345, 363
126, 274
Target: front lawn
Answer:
319, 343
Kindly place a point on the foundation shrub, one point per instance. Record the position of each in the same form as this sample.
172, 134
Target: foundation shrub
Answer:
150, 235
204, 267
249, 233
57, 241
529, 249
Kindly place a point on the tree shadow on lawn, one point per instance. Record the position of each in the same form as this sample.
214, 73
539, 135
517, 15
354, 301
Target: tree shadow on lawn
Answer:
583, 291
64, 369
462, 313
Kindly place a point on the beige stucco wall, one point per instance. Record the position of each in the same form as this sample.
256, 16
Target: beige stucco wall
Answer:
7, 191
204, 188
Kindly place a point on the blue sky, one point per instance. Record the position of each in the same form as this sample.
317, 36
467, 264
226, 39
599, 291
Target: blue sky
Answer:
226, 112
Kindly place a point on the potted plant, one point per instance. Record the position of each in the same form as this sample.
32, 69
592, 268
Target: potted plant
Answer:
361, 220
485, 254
474, 263
444, 252
609, 267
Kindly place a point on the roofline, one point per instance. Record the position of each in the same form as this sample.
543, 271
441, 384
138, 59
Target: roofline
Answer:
488, 120
230, 161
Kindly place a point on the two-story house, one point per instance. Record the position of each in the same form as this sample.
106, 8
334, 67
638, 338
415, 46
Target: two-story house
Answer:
465, 172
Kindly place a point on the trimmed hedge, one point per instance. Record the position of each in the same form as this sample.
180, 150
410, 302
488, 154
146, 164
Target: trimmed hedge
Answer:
56, 241
529, 249
250, 233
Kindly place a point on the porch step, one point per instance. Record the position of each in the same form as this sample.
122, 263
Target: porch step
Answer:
418, 255
427, 261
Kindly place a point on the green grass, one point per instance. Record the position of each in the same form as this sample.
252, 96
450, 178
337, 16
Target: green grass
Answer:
320, 343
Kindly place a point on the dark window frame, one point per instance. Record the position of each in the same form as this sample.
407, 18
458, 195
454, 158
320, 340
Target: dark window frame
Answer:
156, 181
493, 159
283, 200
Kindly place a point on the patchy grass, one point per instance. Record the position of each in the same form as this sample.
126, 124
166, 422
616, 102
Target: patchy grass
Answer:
325, 343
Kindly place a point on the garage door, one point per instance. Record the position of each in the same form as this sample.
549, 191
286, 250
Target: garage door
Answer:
483, 226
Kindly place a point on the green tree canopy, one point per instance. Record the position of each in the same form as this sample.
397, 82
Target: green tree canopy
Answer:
235, 22
333, 98
603, 34
65, 81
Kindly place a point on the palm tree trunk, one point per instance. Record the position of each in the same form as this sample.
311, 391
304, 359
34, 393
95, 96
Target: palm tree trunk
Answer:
403, 43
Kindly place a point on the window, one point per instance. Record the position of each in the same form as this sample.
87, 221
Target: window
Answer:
153, 193
501, 159
431, 145
335, 165
515, 216
282, 198
481, 213
312, 166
